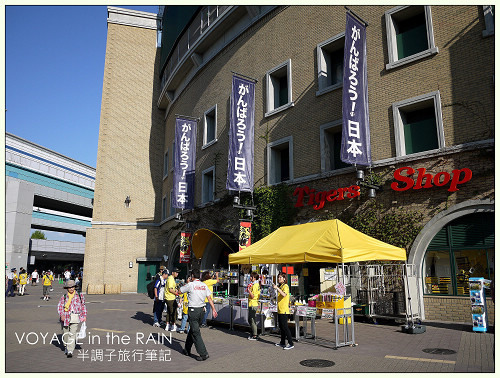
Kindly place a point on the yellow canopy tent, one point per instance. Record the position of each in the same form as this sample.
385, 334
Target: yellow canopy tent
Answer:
327, 241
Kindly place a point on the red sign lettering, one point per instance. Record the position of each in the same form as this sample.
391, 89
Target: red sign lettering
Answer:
318, 199
427, 180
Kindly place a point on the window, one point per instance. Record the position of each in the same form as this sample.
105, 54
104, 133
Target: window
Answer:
410, 34
207, 185
165, 165
418, 124
164, 208
279, 88
462, 249
173, 155
172, 208
489, 20
331, 140
330, 54
210, 127
280, 160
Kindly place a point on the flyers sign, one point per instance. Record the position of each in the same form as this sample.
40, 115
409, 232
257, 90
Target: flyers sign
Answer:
185, 252
245, 234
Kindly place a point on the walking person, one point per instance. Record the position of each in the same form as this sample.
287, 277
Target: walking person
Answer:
47, 283
159, 302
170, 299
23, 280
67, 275
34, 277
51, 276
184, 320
10, 277
253, 304
72, 311
283, 311
197, 291
210, 282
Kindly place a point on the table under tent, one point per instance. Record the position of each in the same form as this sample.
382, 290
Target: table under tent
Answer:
331, 241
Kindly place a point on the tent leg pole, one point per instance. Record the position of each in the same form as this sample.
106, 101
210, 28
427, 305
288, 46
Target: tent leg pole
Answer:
409, 294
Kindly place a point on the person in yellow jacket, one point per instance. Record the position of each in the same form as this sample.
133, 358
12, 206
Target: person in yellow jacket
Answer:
210, 282
171, 293
185, 302
47, 283
253, 303
283, 294
23, 280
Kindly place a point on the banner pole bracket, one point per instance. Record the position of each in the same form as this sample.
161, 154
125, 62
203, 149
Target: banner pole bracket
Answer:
245, 76
190, 117
355, 15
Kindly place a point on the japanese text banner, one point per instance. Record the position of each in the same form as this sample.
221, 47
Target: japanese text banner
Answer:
241, 136
355, 147
185, 250
184, 163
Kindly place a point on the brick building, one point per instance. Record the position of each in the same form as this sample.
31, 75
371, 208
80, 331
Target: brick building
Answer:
431, 103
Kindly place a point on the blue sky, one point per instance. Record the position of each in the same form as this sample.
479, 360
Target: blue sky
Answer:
54, 65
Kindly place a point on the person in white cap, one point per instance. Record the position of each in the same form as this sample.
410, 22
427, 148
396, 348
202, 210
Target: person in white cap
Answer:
72, 311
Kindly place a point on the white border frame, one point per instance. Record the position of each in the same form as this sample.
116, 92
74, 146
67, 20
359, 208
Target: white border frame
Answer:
209, 143
489, 21
337, 124
270, 89
166, 159
164, 207
391, 38
203, 174
287, 140
398, 122
322, 73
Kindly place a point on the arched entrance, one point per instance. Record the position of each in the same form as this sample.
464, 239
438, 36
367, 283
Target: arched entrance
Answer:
458, 216
213, 248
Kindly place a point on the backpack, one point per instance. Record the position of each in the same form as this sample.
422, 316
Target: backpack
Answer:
151, 289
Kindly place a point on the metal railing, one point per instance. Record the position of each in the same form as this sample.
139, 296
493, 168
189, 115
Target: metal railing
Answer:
207, 17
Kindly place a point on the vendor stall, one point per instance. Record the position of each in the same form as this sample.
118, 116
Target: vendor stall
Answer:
326, 241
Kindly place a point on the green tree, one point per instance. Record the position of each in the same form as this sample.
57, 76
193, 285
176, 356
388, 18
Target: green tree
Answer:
38, 235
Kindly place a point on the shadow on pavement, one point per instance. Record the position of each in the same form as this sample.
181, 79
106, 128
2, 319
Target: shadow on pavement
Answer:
143, 317
456, 326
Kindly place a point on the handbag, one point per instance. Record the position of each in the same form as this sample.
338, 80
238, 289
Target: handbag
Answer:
83, 331
74, 318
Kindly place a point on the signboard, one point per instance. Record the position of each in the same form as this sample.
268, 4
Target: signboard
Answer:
330, 274
185, 251
478, 304
294, 280
340, 288
355, 147
241, 136
405, 182
309, 196
327, 313
245, 238
184, 163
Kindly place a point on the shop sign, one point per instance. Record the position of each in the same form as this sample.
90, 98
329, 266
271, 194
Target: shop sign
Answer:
185, 251
405, 182
309, 196
245, 238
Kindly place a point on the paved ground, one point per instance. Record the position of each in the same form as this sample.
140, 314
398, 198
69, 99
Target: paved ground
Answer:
121, 339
